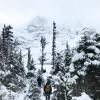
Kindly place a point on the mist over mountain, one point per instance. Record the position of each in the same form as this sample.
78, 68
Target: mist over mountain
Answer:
29, 36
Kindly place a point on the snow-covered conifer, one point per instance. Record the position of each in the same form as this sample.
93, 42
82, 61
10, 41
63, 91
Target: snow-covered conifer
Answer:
30, 62
42, 58
54, 46
86, 62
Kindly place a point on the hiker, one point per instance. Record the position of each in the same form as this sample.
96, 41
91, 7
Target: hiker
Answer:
48, 89
39, 80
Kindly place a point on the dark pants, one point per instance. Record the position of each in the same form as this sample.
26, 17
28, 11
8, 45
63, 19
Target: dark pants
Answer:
47, 96
39, 84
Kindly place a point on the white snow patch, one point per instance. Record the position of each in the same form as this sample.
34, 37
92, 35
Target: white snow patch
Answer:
78, 56
95, 62
71, 68
84, 96
94, 48
90, 55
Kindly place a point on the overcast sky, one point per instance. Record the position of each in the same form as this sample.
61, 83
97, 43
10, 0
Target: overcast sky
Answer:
70, 12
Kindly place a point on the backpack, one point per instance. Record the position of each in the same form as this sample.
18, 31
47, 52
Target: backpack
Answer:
47, 88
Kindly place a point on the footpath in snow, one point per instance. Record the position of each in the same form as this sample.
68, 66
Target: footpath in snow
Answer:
22, 96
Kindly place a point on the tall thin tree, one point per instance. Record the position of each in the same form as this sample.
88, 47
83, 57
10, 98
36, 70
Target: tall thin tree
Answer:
42, 59
54, 45
30, 62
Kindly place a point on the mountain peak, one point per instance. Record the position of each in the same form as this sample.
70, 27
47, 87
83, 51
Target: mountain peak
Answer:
38, 23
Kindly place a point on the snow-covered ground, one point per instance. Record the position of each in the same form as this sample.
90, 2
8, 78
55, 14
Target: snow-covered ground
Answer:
21, 96
84, 96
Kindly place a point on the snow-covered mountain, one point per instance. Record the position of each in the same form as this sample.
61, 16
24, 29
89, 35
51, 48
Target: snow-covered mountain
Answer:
29, 36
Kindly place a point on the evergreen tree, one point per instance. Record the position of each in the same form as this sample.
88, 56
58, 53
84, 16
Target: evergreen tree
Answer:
59, 66
29, 59
95, 70
64, 76
54, 46
30, 62
86, 62
42, 59
34, 91
68, 56
1, 56
59, 72
12, 79
30, 65
7, 43
18, 63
